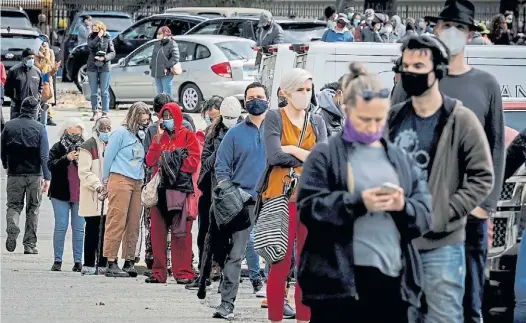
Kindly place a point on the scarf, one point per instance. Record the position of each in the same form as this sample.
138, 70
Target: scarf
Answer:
67, 143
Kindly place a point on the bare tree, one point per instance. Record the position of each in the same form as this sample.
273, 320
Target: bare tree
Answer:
383, 6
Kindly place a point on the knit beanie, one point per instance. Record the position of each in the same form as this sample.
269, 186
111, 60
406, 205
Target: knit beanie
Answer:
230, 107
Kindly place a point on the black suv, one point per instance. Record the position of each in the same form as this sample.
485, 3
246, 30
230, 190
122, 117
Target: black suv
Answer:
131, 38
294, 31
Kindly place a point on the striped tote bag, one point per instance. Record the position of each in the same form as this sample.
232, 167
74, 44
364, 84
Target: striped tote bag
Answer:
272, 229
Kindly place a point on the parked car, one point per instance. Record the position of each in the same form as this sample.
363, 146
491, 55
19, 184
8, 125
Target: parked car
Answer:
14, 41
115, 23
509, 222
14, 18
130, 39
216, 12
212, 65
294, 31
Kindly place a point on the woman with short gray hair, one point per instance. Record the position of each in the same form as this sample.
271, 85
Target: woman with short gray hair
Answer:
64, 191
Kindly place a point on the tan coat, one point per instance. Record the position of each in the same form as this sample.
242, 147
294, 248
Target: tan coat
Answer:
90, 173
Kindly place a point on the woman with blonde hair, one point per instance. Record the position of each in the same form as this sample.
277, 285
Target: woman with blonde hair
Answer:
101, 52
123, 175
45, 61
64, 191
290, 133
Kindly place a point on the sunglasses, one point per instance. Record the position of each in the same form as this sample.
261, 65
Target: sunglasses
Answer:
368, 95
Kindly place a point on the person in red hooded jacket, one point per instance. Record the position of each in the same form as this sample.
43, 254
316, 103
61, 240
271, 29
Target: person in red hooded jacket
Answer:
172, 137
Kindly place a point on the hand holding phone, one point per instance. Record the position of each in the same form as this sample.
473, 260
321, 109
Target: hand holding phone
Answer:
387, 189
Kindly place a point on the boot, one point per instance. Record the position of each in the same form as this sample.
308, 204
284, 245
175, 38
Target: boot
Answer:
50, 121
114, 270
129, 267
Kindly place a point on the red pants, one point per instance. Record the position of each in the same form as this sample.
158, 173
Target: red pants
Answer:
181, 249
277, 277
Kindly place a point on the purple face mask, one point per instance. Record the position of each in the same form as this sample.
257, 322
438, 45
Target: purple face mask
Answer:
350, 134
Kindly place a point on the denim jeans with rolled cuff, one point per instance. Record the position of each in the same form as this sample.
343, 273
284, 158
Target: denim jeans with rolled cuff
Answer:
99, 80
62, 211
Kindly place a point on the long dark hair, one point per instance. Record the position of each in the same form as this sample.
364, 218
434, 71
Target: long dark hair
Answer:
497, 28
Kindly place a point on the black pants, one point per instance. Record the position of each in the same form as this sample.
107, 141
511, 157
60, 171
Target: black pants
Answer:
203, 209
91, 241
379, 301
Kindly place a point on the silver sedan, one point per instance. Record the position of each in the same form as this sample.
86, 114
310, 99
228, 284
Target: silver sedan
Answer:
212, 65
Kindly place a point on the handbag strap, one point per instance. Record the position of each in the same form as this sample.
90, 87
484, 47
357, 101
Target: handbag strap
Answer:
304, 129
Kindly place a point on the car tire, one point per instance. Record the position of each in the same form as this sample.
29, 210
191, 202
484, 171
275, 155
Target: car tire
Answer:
190, 98
81, 76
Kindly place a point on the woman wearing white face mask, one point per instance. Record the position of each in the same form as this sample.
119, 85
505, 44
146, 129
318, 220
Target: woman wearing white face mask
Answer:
287, 149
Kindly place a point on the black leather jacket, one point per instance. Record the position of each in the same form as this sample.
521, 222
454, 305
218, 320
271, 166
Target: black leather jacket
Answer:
96, 44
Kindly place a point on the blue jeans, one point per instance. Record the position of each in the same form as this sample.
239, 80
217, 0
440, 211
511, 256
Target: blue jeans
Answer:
476, 254
164, 84
99, 80
444, 277
43, 117
62, 210
252, 259
520, 283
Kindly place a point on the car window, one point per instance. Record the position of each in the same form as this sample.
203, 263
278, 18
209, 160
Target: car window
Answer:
15, 20
141, 57
231, 28
210, 28
515, 119
201, 52
178, 27
186, 51
145, 30
114, 23
298, 33
235, 50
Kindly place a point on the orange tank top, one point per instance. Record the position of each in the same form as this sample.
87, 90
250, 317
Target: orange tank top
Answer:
290, 136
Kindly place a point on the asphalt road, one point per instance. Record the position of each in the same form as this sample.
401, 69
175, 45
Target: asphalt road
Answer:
30, 292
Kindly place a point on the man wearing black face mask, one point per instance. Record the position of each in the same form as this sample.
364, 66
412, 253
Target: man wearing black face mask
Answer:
25, 151
241, 160
449, 146
269, 32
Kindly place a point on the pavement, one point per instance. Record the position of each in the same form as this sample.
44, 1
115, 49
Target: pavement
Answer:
30, 292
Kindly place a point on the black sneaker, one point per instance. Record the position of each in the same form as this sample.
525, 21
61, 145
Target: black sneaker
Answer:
184, 281
77, 267
224, 311
129, 268
152, 280
10, 243
288, 312
114, 270
50, 122
93, 116
30, 250
195, 284
257, 285
149, 263
57, 266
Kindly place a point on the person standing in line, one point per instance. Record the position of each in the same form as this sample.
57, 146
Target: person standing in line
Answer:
84, 30
269, 31
479, 91
122, 175
340, 32
64, 192
24, 149
3, 78
90, 161
449, 146
210, 110
23, 80
45, 61
241, 160
283, 129
101, 52
165, 56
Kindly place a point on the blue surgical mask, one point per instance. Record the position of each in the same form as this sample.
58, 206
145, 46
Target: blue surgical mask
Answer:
208, 120
256, 107
169, 124
30, 62
356, 22
104, 136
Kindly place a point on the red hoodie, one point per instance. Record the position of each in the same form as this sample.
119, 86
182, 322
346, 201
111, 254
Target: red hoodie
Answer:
182, 138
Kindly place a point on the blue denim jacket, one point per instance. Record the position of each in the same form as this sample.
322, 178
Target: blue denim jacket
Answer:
124, 155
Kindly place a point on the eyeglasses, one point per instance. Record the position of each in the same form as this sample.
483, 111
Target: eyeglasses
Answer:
368, 95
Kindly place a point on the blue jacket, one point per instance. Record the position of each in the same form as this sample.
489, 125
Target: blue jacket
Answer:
124, 155
326, 205
332, 36
241, 156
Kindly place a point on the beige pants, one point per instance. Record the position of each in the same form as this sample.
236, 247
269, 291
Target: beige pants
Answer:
124, 216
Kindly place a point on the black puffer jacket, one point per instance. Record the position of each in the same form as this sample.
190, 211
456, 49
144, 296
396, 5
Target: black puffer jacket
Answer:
165, 55
96, 44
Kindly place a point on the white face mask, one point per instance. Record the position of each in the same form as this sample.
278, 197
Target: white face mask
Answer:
301, 100
229, 123
389, 29
454, 39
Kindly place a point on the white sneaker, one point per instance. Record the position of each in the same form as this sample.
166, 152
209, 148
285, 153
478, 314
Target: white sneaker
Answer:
262, 293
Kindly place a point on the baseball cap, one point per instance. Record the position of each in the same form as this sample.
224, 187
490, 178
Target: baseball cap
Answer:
343, 17
265, 18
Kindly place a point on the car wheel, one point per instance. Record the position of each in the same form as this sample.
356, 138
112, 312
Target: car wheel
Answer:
190, 98
81, 77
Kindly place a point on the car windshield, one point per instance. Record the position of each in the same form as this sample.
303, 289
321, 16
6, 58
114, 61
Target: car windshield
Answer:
515, 119
15, 20
14, 42
300, 33
235, 50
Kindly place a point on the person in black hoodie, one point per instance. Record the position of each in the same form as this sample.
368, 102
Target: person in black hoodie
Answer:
329, 107
370, 196
25, 149
165, 55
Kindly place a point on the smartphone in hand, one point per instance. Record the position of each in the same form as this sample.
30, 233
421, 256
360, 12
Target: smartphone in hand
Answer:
387, 189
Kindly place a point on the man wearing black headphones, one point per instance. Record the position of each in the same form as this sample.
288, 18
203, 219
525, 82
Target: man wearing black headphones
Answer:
450, 148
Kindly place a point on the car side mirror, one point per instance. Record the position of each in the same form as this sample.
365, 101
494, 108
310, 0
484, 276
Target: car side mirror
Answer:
120, 37
122, 62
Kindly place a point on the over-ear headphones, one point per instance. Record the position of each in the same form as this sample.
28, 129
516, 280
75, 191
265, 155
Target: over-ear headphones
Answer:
440, 62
